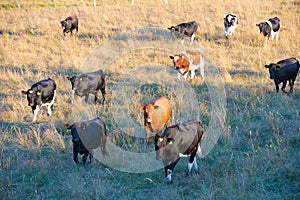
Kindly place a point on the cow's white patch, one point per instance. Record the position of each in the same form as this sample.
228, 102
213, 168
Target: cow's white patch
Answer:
272, 32
190, 165
35, 112
169, 175
176, 58
37, 109
30, 91
183, 155
161, 139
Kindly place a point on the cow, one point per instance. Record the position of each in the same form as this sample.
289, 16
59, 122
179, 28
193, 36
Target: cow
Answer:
89, 83
87, 136
184, 30
69, 24
41, 94
188, 60
230, 23
180, 140
269, 28
283, 71
156, 116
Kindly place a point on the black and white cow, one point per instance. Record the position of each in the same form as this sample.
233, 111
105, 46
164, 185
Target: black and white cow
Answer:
184, 30
283, 71
69, 24
89, 83
87, 136
230, 24
269, 28
177, 141
41, 94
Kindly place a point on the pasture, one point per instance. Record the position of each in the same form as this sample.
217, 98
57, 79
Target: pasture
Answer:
256, 155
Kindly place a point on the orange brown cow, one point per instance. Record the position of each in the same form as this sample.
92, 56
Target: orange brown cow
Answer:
156, 116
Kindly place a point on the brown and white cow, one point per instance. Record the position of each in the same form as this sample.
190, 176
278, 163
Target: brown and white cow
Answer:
188, 60
156, 116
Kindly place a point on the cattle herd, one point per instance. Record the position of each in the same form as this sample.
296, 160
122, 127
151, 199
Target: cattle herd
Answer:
176, 141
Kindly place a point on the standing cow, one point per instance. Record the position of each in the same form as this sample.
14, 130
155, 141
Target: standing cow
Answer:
89, 83
184, 30
188, 60
86, 136
156, 116
269, 28
41, 94
69, 24
230, 24
177, 141
283, 71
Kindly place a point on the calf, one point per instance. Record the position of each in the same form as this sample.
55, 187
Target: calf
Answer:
41, 94
270, 28
156, 116
188, 60
183, 30
283, 71
230, 23
177, 141
69, 24
89, 83
86, 136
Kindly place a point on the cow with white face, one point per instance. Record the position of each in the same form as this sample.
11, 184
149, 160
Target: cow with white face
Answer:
41, 94
230, 23
188, 60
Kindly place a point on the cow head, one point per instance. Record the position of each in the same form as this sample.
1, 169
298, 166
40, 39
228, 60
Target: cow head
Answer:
73, 80
273, 69
148, 110
33, 95
161, 146
64, 23
181, 63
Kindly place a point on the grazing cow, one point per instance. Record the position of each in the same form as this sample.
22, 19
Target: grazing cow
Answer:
230, 23
270, 28
188, 60
69, 24
41, 94
177, 141
89, 83
283, 71
86, 136
184, 30
156, 116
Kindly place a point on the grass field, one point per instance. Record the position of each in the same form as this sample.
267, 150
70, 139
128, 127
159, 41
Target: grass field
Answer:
257, 155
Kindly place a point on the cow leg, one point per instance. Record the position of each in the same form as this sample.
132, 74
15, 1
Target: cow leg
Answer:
84, 158
283, 86
291, 84
75, 155
90, 157
185, 76
277, 86
192, 162
277, 35
35, 113
103, 94
169, 170
192, 74
86, 98
178, 76
192, 38
96, 97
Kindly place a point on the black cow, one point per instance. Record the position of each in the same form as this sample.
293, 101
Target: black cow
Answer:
283, 71
86, 136
270, 28
230, 24
89, 83
178, 141
41, 94
69, 24
183, 30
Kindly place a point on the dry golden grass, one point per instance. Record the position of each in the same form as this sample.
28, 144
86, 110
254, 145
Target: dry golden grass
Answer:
256, 156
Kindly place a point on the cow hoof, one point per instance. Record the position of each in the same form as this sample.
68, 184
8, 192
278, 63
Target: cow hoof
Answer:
169, 181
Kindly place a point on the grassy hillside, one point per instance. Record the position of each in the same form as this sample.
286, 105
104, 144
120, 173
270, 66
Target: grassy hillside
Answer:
257, 153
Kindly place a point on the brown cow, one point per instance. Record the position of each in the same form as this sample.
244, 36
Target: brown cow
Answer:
188, 60
156, 116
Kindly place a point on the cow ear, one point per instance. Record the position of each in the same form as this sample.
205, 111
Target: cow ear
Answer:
142, 107
156, 106
170, 141
24, 92
277, 67
69, 78
172, 57
257, 24
38, 92
267, 66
